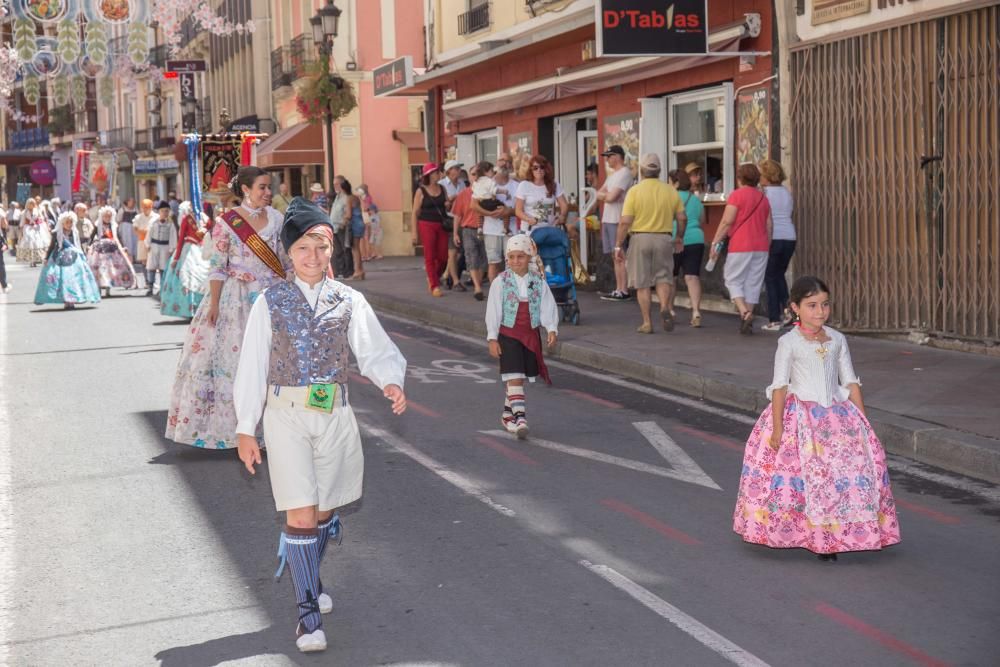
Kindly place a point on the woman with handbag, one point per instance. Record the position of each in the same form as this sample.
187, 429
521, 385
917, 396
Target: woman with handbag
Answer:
432, 222
746, 223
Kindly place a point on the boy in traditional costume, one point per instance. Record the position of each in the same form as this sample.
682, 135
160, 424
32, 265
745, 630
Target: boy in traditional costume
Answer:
520, 302
161, 241
293, 369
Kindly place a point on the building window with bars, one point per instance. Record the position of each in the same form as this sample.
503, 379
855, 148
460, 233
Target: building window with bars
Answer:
476, 18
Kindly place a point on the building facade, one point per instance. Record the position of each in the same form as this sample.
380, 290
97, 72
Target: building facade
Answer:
526, 78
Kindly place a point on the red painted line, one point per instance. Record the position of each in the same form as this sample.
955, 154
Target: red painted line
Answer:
934, 515
509, 452
884, 638
421, 409
593, 399
728, 443
402, 335
650, 522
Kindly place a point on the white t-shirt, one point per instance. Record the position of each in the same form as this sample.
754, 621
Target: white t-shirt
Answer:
451, 189
494, 226
622, 180
781, 212
538, 204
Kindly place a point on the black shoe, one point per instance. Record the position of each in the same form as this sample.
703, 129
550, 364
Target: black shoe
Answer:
668, 320
461, 288
827, 558
479, 296
746, 326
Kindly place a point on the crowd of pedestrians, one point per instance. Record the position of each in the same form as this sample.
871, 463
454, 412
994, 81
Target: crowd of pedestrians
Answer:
652, 230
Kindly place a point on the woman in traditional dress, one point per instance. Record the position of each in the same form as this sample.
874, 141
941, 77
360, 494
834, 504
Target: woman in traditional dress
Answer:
126, 233
107, 258
66, 277
177, 300
35, 235
248, 258
140, 225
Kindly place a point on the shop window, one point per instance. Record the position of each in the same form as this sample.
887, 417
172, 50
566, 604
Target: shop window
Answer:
701, 132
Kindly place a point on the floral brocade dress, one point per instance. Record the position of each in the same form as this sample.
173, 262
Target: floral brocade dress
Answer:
827, 488
202, 412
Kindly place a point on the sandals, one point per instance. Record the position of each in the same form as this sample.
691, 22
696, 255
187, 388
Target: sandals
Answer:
696, 320
746, 324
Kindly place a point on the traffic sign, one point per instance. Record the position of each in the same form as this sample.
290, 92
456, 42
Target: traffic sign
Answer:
185, 65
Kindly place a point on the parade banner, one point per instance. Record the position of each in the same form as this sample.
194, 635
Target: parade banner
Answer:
99, 169
519, 147
752, 126
192, 142
623, 130
221, 159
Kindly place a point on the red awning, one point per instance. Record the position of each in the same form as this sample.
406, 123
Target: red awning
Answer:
292, 147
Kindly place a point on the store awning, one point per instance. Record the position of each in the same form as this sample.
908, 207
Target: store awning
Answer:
292, 147
14, 158
605, 74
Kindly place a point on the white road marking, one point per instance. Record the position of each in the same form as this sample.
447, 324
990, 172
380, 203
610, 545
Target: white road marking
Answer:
638, 466
672, 452
982, 489
702, 633
7, 545
438, 469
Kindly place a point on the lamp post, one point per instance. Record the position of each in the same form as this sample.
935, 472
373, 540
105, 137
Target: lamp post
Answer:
325, 26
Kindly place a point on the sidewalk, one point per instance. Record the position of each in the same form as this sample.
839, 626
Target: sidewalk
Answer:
935, 406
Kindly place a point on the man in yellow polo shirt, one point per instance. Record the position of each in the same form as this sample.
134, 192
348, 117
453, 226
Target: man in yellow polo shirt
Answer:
647, 219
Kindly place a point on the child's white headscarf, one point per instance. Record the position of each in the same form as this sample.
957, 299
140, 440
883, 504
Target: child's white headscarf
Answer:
524, 243
61, 234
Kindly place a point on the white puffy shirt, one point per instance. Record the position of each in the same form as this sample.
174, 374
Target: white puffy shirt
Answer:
822, 379
378, 358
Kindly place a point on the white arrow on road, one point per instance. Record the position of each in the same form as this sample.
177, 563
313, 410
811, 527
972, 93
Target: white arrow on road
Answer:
683, 468
672, 452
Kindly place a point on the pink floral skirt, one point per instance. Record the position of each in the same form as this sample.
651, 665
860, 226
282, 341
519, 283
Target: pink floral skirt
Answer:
826, 489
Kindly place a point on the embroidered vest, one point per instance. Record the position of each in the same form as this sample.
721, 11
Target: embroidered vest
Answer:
512, 299
308, 347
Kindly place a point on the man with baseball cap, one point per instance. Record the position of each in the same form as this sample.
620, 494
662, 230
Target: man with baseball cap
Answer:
612, 195
648, 214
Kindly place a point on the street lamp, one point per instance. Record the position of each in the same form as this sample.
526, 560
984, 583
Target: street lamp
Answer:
325, 26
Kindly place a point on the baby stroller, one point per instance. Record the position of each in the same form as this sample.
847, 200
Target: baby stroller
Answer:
553, 249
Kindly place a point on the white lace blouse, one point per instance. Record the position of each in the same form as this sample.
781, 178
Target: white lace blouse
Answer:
813, 371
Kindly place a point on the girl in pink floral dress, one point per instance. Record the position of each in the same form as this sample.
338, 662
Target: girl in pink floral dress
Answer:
201, 403
814, 473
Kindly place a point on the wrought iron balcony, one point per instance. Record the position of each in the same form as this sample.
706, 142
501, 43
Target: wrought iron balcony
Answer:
34, 137
121, 137
291, 63
162, 137
477, 18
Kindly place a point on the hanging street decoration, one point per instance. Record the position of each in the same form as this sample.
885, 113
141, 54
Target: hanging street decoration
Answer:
169, 14
68, 39
106, 90
138, 44
32, 89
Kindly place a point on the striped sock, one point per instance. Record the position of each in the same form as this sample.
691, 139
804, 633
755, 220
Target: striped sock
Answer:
302, 547
329, 529
515, 398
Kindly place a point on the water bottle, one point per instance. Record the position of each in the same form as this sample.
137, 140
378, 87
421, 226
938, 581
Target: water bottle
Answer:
711, 263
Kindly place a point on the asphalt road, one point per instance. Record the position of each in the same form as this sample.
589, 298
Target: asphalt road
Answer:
604, 540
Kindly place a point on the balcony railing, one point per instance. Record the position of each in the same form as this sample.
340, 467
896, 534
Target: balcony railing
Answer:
121, 137
477, 18
151, 138
34, 137
290, 63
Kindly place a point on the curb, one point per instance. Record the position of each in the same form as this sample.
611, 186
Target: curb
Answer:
956, 451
